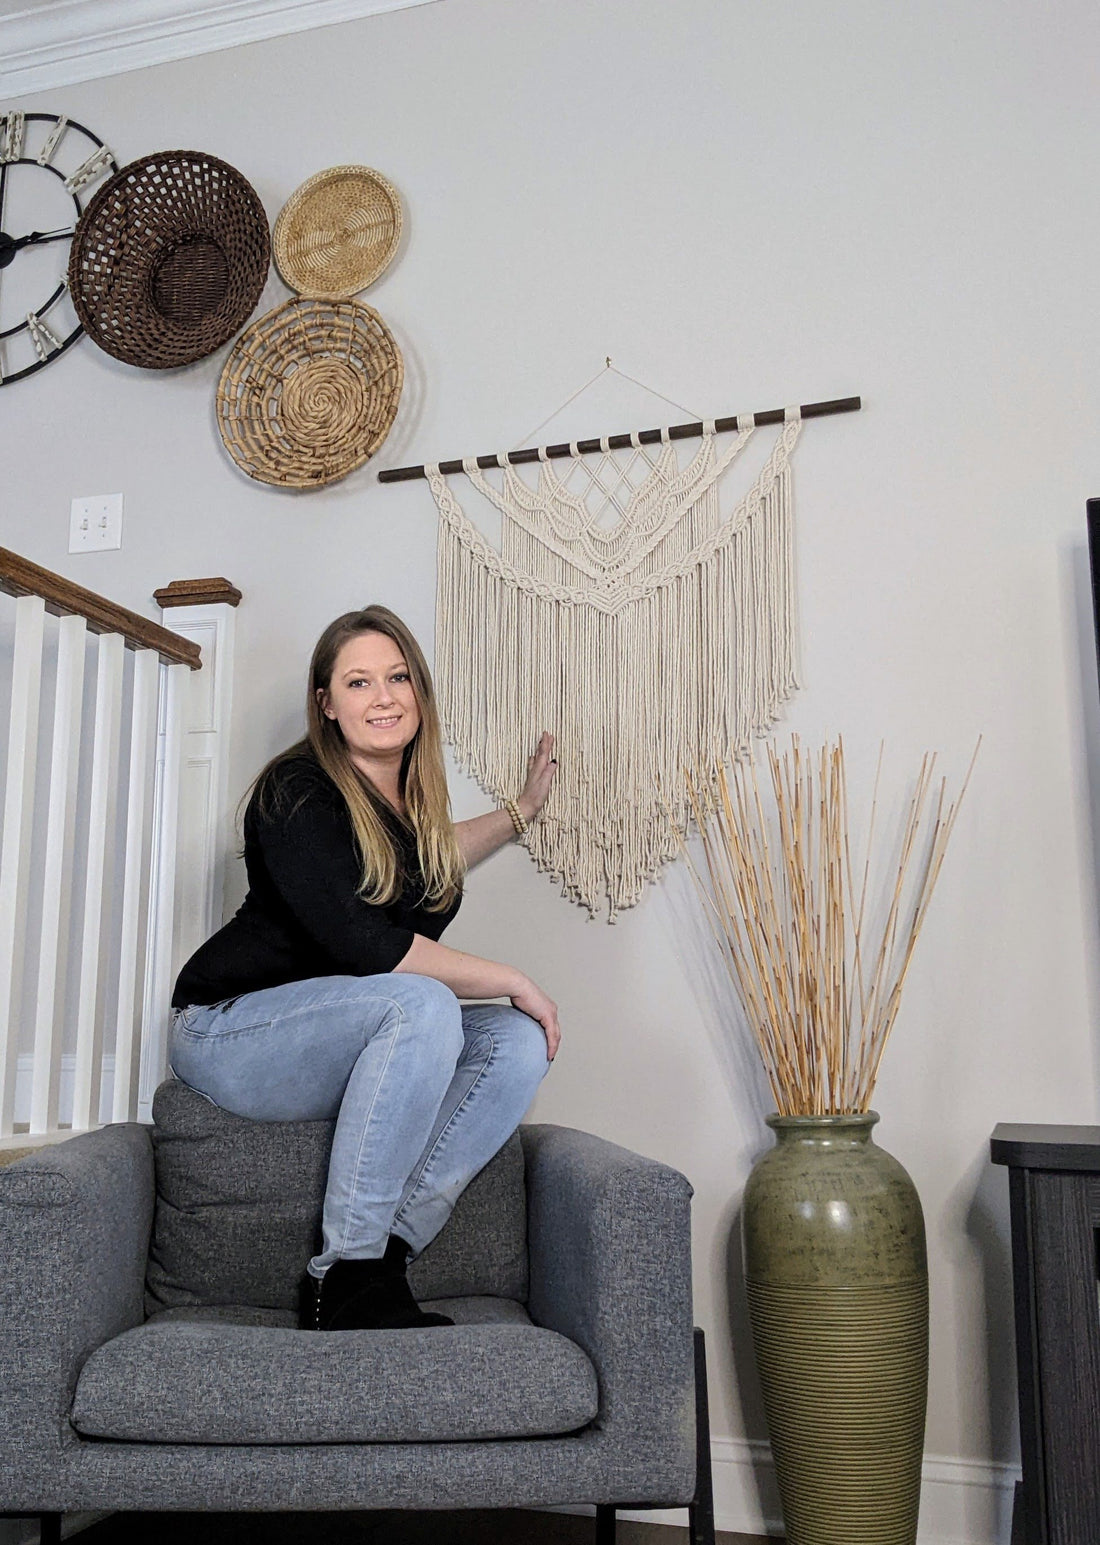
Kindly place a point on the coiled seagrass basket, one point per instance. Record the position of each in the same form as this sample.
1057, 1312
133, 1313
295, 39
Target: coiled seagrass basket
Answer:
169, 259
309, 392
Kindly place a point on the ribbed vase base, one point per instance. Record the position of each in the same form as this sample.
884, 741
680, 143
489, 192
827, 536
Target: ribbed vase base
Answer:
844, 1372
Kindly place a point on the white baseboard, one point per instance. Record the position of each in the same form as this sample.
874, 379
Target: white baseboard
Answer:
966, 1502
963, 1501
24, 1069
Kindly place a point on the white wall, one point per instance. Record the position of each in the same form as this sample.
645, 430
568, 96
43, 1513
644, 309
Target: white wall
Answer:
744, 205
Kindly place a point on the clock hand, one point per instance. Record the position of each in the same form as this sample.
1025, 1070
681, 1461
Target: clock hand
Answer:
37, 238
6, 258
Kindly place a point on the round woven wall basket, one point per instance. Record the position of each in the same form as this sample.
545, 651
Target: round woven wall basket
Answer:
169, 259
309, 392
338, 232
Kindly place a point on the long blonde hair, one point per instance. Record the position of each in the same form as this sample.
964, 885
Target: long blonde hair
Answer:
423, 779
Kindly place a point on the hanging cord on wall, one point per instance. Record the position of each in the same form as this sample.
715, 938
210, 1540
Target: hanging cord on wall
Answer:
607, 365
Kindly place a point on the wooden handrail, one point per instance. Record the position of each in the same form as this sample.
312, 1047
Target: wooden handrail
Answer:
18, 576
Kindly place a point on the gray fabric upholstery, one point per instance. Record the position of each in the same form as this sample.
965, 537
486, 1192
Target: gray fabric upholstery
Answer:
609, 1252
192, 1382
610, 1260
522, 1472
239, 1207
74, 1233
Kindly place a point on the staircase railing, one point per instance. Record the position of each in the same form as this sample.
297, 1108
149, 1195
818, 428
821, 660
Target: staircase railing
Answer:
107, 712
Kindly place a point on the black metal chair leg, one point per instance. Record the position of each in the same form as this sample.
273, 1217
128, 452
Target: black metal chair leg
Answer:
701, 1508
605, 1524
49, 1528
1019, 1516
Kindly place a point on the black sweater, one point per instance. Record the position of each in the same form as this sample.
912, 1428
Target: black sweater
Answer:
302, 916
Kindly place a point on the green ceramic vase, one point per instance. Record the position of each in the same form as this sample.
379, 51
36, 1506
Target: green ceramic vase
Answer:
837, 1278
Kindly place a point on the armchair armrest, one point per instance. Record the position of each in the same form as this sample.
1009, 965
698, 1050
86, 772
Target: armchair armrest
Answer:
609, 1241
74, 1234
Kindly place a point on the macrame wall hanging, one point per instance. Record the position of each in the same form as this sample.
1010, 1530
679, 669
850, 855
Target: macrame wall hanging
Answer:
632, 609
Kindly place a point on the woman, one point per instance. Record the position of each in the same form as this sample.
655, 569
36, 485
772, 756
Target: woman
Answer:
328, 994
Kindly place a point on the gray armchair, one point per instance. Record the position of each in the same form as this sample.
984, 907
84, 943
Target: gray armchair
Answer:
149, 1355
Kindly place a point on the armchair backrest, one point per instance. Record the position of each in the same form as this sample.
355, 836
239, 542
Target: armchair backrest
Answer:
238, 1213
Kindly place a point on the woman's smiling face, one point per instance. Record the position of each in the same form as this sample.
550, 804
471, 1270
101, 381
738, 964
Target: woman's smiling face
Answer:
371, 698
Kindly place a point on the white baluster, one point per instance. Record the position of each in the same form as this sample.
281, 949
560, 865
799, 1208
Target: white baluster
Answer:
15, 840
108, 706
143, 724
57, 872
162, 884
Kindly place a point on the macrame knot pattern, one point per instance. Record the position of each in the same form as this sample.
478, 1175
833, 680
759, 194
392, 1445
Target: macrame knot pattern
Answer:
623, 611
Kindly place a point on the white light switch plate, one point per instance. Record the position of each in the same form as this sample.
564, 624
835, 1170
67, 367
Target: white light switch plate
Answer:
95, 523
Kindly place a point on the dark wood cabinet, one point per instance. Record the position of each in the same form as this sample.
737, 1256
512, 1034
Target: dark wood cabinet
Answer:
1054, 1189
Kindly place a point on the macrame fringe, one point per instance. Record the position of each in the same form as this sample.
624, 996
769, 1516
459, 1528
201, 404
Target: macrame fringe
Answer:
668, 659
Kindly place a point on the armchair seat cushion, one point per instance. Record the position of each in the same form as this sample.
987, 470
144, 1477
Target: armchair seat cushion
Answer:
243, 1376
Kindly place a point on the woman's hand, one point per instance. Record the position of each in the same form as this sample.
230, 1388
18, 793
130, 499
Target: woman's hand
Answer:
540, 775
533, 1001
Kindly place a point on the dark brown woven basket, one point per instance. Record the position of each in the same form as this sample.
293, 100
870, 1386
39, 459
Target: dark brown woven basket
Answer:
169, 259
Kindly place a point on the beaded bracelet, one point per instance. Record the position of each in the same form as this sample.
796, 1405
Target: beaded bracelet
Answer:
517, 816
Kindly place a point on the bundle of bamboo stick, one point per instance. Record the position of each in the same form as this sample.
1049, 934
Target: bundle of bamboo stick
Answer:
817, 964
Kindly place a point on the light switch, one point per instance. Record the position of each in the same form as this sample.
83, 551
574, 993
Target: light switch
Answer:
95, 523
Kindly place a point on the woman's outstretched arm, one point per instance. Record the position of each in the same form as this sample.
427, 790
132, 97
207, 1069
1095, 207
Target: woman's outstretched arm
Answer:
468, 976
484, 834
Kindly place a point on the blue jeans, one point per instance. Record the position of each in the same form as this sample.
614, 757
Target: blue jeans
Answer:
424, 1089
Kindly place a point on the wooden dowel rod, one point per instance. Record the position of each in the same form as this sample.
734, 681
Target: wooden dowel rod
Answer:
620, 442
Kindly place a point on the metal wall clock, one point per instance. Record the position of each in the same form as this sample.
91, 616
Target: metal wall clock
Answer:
49, 169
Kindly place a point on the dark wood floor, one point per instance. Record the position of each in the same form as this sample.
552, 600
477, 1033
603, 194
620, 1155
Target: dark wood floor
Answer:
471, 1527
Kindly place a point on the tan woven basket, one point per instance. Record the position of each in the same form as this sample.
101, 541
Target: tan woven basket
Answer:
338, 232
169, 259
309, 392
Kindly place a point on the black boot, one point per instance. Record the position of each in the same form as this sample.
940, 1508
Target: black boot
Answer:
367, 1295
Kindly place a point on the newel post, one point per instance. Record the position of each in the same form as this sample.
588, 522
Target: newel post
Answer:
203, 611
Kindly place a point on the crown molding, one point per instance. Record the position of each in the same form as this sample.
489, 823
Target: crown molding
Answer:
67, 41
